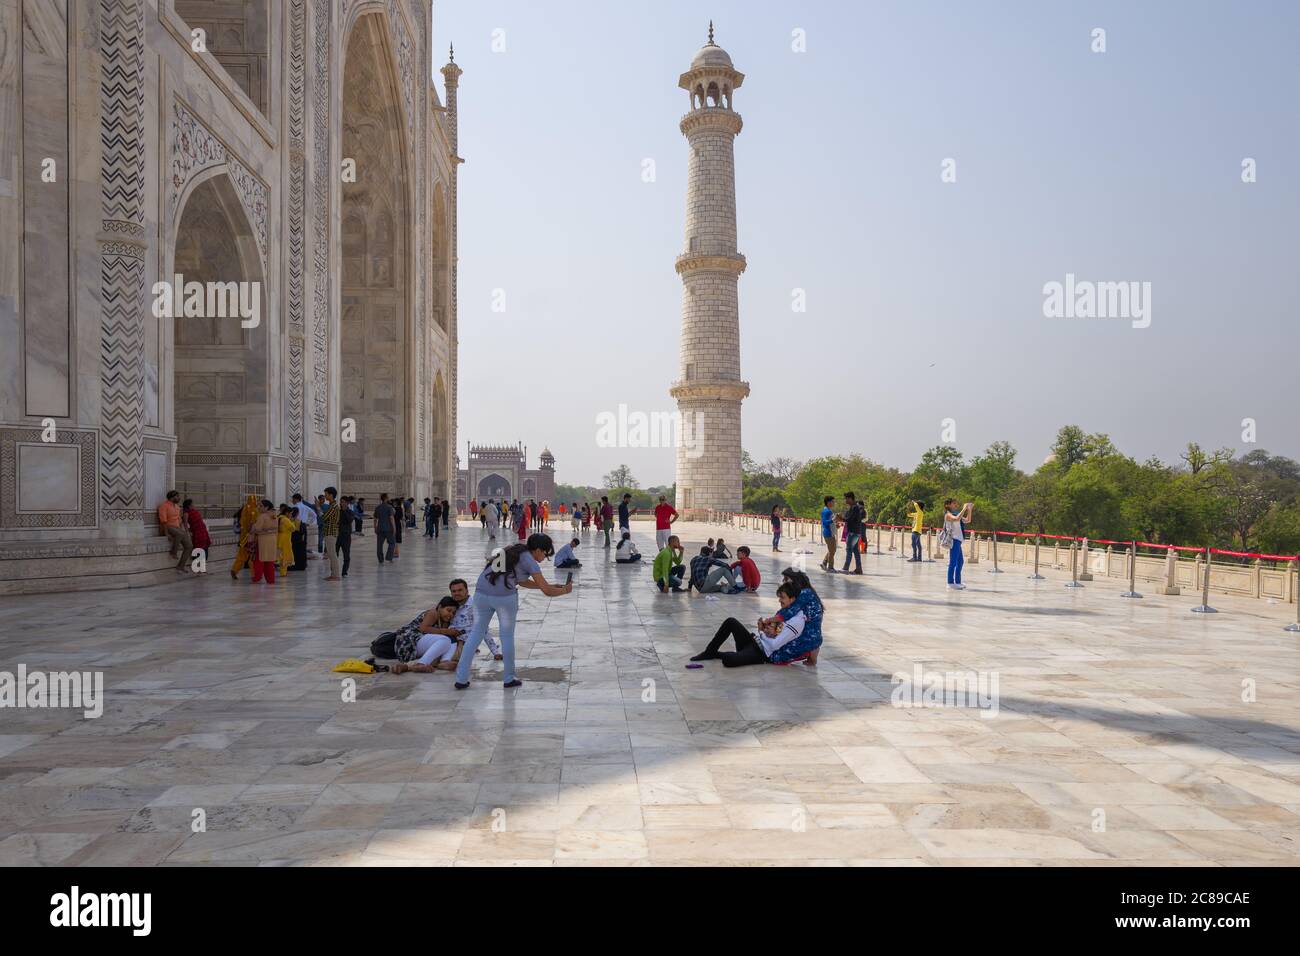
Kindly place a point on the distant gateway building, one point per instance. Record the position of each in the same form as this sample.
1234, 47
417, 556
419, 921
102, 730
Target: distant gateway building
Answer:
501, 471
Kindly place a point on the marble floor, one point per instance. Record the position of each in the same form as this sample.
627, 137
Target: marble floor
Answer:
1125, 733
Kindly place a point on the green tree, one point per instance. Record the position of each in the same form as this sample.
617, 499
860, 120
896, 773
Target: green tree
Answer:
944, 464
763, 499
804, 493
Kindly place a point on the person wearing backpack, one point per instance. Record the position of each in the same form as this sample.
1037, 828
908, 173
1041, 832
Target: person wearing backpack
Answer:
496, 594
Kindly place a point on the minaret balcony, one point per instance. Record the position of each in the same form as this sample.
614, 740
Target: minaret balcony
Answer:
732, 262
706, 116
724, 391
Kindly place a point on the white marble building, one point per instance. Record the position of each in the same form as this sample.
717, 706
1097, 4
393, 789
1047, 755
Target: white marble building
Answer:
298, 147
709, 389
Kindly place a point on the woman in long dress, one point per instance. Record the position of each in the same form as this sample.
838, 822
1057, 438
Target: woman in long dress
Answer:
198, 527
265, 531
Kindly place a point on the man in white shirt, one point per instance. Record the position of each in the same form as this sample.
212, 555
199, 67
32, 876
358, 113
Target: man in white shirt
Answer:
306, 519
463, 620
493, 519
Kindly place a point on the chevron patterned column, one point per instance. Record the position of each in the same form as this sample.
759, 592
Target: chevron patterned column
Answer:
122, 248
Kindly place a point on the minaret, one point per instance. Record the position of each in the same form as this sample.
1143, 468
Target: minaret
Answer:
709, 390
451, 78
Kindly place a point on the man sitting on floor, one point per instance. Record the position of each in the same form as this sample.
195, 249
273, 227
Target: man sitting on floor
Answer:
777, 640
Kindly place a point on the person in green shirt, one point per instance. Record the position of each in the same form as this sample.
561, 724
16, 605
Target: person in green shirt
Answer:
668, 567
917, 514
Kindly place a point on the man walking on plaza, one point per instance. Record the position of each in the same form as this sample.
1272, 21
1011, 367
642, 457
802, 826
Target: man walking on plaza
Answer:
828, 533
306, 519
169, 519
329, 529
606, 517
625, 513
491, 519
665, 515
385, 529
344, 546
854, 523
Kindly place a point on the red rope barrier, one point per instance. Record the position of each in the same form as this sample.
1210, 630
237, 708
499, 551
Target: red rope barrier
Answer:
1059, 537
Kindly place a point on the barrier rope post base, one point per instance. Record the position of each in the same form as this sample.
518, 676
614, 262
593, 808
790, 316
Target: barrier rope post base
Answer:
1204, 606
1085, 574
995, 569
904, 544
878, 551
1132, 572
929, 543
1036, 576
1171, 572
1074, 567
1296, 595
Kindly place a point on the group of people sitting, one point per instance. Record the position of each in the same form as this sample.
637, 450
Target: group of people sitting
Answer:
712, 571
435, 639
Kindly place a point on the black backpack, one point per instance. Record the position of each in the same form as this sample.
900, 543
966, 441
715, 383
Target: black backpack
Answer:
385, 646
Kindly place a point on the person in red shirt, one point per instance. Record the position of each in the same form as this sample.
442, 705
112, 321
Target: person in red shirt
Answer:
749, 576
665, 515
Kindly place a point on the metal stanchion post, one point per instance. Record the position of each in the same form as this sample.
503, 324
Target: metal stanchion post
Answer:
995, 569
1074, 566
1204, 606
1295, 594
1036, 576
878, 551
929, 545
904, 544
1132, 572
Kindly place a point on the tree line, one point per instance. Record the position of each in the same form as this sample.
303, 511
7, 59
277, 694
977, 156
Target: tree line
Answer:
1085, 487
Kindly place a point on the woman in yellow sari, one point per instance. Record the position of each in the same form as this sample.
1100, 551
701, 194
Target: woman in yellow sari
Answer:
247, 515
284, 541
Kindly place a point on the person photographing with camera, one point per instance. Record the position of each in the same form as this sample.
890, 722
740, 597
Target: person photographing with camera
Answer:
496, 593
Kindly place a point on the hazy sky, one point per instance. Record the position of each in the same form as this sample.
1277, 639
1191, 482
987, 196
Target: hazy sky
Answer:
1117, 166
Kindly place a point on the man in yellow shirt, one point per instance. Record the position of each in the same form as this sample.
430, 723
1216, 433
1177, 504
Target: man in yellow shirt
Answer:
917, 514
169, 519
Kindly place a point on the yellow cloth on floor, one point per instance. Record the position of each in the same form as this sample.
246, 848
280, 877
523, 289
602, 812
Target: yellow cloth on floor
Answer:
353, 666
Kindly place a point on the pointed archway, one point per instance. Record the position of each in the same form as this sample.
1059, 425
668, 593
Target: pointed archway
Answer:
219, 383
376, 328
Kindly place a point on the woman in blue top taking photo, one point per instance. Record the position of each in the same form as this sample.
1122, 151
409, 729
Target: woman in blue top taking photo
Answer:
518, 566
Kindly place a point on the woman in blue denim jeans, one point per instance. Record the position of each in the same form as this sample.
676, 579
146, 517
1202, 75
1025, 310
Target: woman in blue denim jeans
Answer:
518, 566
954, 523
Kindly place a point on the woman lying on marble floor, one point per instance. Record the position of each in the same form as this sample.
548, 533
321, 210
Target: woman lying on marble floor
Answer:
429, 643
792, 634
